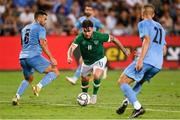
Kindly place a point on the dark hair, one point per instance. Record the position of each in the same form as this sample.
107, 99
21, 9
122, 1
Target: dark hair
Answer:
88, 5
39, 12
87, 23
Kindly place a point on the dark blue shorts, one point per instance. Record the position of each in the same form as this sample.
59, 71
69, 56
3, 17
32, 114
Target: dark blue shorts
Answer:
146, 73
39, 63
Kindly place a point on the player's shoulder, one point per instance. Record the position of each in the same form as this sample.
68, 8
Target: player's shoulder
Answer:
97, 33
94, 18
40, 26
82, 18
158, 24
26, 27
143, 22
79, 36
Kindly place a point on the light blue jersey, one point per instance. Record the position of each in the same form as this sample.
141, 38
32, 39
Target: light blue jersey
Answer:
96, 23
156, 33
30, 36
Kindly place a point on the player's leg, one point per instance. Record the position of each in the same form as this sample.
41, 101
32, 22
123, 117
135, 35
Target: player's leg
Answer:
138, 85
42, 65
105, 72
96, 84
77, 73
79, 62
84, 84
86, 69
149, 72
28, 78
98, 69
147, 76
136, 88
124, 82
128, 76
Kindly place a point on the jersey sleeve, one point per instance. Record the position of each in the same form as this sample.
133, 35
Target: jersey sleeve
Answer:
104, 37
78, 24
99, 25
77, 40
42, 34
143, 30
164, 37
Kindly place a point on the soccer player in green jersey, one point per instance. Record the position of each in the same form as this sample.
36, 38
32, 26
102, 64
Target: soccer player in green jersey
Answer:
92, 51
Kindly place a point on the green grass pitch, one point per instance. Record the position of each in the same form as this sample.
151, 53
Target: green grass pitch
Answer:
160, 98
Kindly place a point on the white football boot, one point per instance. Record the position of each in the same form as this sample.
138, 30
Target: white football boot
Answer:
72, 80
93, 99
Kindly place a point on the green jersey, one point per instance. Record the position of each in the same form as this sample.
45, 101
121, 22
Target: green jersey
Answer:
91, 49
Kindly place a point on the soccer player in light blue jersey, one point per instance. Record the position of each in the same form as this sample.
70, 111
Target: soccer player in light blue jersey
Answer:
33, 40
148, 64
97, 26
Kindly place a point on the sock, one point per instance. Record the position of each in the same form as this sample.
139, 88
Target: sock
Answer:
129, 93
137, 105
77, 74
24, 84
48, 78
96, 85
137, 87
85, 86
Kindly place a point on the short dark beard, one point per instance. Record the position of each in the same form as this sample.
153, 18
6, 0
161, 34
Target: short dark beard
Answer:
87, 14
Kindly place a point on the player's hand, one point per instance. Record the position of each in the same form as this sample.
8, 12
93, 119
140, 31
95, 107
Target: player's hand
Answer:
69, 60
139, 65
53, 61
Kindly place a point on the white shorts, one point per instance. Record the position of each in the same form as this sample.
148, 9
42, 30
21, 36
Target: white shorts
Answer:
87, 69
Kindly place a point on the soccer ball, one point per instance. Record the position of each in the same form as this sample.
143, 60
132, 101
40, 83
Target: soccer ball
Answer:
83, 99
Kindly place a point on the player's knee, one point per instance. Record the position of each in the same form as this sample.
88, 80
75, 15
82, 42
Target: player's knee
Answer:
80, 60
122, 79
85, 79
97, 76
56, 71
29, 78
53, 69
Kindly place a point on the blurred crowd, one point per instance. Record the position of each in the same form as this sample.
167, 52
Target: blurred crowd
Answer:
120, 17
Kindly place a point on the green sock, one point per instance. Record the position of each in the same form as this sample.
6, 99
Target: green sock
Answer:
96, 85
85, 86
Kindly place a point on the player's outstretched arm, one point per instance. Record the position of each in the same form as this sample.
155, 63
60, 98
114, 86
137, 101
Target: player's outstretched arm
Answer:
118, 43
164, 50
70, 52
45, 49
145, 46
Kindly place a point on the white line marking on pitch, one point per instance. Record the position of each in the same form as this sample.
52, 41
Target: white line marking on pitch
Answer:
99, 105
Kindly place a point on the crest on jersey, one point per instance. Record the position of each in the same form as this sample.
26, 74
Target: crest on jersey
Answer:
84, 42
96, 42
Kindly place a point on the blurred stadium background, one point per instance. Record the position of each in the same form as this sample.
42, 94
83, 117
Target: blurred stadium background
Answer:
120, 18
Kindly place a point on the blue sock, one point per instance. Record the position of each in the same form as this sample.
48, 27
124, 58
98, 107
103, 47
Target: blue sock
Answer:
24, 84
137, 87
78, 72
129, 93
48, 78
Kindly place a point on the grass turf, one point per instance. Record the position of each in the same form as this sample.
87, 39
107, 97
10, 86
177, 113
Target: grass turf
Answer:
160, 98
